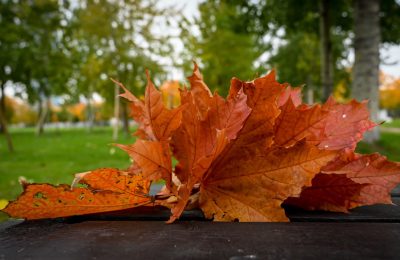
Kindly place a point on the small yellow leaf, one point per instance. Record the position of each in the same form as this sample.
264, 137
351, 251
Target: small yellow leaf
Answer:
3, 203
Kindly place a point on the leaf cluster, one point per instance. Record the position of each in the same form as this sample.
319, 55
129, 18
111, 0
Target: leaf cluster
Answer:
240, 158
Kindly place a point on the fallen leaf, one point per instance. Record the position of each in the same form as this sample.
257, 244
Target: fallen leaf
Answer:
252, 187
297, 123
329, 192
3, 203
153, 158
294, 94
373, 169
248, 180
346, 124
156, 122
120, 191
239, 158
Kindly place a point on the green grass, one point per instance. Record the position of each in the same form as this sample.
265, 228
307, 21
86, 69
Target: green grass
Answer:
56, 156
389, 145
395, 123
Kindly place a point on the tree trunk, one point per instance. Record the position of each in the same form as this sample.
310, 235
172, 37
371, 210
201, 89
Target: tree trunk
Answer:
2, 104
326, 50
116, 113
310, 92
366, 64
43, 111
3, 123
90, 114
125, 120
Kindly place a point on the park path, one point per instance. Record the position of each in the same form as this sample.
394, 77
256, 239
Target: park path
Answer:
395, 130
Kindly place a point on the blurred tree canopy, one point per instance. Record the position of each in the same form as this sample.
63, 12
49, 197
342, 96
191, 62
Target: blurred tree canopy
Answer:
65, 51
228, 43
315, 38
71, 48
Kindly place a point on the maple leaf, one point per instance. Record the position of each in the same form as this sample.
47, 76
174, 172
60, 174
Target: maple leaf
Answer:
253, 187
349, 181
239, 158
297, 123
249, 180
331, 126
345, 125
156, 122
329, 192
153, 159
207, 127
200, 92
108, 190
374, 169
290, 93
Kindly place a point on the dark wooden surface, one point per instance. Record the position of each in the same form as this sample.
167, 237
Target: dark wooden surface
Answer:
367, 233
200, 240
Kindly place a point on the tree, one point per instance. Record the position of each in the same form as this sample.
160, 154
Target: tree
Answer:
9, 49
308, 21
366, 63
44, 62
228, 43
326, 48
373, 22
300, 67
115, 39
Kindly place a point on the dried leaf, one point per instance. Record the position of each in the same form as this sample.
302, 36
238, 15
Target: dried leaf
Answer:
156, 122
374, 169
47, 201
294, 94
153, 158
330, 192
239, 158
252, 187
297, 123
200, 92
247, 181
346, 124
332, 126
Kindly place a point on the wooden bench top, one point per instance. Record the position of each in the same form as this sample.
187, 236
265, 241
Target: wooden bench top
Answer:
371, 232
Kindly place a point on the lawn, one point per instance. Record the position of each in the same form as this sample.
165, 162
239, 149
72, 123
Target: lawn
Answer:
56, 156
395, 123
389, 145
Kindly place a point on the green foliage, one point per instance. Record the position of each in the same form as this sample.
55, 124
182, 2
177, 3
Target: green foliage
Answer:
303, 16
228, 43
299, 60
114, 39
43, 59
390, 20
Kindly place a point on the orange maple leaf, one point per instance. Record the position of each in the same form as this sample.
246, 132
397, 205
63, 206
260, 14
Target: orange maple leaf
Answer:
330, 192
373, 169
108, 190
157, 124
239, 158
250, 178
350, 181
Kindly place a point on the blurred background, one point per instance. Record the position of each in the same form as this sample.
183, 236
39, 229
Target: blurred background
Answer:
58, 111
